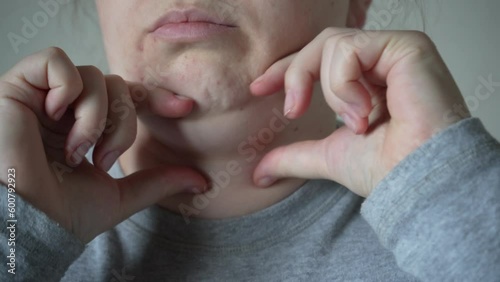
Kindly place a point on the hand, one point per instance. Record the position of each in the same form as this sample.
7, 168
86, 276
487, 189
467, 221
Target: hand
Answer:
391, 88
51, 113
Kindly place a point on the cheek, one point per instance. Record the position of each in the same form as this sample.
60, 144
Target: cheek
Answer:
125, 51
120, 29
292, 22
305, 18
331, 13
282, 30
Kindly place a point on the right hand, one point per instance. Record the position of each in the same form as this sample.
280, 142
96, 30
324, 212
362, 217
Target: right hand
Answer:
51, 113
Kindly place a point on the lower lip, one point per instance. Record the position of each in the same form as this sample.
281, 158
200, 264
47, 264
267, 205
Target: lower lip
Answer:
192, 31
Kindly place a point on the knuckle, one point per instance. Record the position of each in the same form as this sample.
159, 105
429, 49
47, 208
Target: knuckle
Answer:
55, 52
333, 42
420, 42
115, 80
419, 36
331, 31
330, 43
335, 33
328, 31
344, 43
91, 71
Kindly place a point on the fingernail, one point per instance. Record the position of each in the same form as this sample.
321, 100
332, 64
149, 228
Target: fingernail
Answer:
78, 155
109, 159
58, 115
258, 80
289, 102
349, 121
184, 98
266, 181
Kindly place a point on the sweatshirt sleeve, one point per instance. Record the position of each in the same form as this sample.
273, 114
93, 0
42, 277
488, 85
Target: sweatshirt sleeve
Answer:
438, 211
33, 246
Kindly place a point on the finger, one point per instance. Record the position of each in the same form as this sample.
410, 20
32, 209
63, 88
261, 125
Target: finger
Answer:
343, 77
121, 124
91, 110
299, 160
343, 82
304, 72
273, 80
159, 101
147, 187
364, 61
348, 108
300, 78
49, 70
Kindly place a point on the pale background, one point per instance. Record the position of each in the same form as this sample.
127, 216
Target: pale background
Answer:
466, 33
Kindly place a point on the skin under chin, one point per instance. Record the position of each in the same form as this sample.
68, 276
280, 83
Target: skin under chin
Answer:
220, 134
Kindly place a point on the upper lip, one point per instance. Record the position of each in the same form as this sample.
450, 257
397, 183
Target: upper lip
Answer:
191, 15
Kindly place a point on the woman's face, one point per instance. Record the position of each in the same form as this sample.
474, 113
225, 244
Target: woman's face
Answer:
214, 67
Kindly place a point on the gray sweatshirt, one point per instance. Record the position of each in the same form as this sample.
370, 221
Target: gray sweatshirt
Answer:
435, 217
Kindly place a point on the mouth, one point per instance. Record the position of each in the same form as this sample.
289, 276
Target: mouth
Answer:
190, 25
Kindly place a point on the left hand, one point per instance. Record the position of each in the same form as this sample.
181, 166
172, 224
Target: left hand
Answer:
392, 90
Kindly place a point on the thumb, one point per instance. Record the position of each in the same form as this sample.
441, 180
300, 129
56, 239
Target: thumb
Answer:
145, 188
305, 159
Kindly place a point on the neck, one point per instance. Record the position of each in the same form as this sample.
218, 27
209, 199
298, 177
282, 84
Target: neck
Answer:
229, 170
232, 191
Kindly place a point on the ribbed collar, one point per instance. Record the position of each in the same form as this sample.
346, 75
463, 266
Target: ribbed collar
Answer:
258, 230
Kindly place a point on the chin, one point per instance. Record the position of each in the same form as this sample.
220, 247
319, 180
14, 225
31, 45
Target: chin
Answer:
216, 74
216, 86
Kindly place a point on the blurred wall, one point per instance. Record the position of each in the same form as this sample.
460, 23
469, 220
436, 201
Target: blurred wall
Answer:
466, 33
